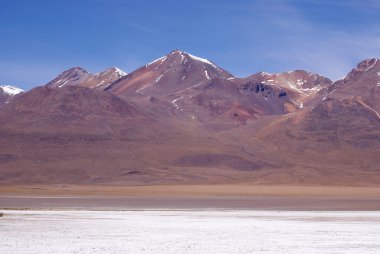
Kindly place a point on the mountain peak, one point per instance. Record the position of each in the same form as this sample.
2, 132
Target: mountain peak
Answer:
118, 71
173, 72
367, 64
185, 56
8, 93
72, 76
112, 71
11, 90
364, 67
78, 76
179, 57
301, 81
76, 69
176, 51
362, 81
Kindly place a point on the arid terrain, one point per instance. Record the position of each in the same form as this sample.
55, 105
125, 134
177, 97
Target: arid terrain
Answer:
190, 127
231, 196
182, 121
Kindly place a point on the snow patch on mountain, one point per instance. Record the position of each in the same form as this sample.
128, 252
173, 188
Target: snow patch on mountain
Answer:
142, 88
196, 58
11, 90
371, 65
159, 78
207, 76
61, 85
161, 59
175, 100
112, 70
120, 72
366, 65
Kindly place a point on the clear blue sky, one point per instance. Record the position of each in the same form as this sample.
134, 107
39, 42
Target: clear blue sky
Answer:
39, 39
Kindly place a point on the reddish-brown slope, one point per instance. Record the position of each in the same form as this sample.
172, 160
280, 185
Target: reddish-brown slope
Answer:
77, 76
345, 122
196, 89
362, 84
69, 109
80, 135
169, 74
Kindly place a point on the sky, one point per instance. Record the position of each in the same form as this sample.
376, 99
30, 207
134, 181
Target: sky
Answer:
39, 39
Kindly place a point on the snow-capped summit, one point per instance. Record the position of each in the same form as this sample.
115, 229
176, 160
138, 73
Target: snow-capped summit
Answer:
113, 71
11, 90
185, 56
173, 72
77, 76
119, 72
103, 79
7, 93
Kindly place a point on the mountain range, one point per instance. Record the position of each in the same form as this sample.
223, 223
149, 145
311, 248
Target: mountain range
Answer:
183, 119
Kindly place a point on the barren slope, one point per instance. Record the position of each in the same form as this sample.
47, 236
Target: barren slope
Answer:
221, 130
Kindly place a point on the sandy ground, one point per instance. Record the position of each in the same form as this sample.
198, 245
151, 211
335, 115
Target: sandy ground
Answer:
194, 190
242, 196
196, 231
